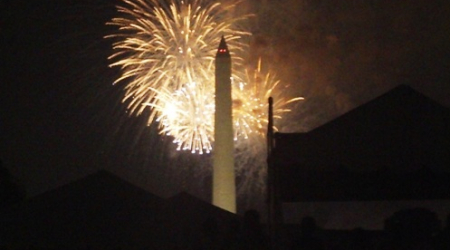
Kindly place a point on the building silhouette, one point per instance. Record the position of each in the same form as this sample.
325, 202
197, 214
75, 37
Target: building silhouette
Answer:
102, 211
395, 148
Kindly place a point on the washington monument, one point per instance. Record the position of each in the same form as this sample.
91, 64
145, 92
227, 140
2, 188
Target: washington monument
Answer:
224, 189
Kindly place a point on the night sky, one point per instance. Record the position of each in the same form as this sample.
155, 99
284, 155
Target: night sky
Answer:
61, 118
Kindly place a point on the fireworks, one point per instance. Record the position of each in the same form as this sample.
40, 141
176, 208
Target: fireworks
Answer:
250, 103
163, 46
166, 51
188, 116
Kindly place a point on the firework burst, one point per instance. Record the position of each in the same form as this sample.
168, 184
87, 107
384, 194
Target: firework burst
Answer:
188, 114
166, 51
250, 118
164, 45
250, 103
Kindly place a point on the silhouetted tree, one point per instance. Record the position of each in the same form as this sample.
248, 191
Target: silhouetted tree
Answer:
10, 192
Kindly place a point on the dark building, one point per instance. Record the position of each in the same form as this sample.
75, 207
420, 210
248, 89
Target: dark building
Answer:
102, 211
390, 153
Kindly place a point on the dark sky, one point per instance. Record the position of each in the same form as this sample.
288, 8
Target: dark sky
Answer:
61, 118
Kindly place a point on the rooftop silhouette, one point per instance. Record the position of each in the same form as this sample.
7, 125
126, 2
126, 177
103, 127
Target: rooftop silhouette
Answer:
380, 150
104, 211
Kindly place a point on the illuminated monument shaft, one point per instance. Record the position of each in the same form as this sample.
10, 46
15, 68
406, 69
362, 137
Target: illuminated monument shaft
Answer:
224, 188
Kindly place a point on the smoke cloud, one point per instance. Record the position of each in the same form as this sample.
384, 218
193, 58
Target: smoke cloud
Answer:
340, 54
